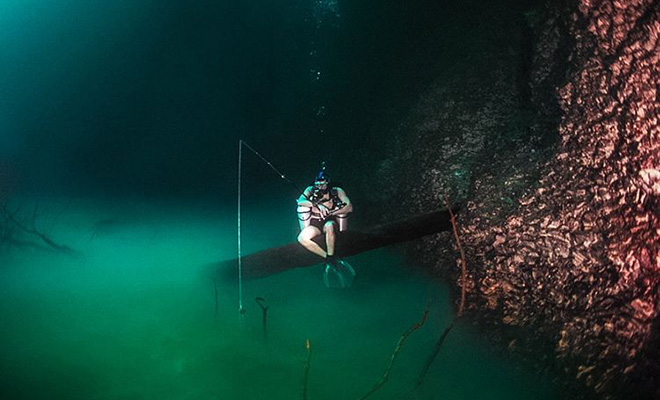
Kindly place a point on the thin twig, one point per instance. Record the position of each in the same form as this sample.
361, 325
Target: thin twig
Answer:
308, 348
264, 315
215, 290
398, 347
454, 226
461, 306
433, 355
33, 231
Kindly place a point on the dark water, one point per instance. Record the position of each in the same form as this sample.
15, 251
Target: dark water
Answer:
151, 97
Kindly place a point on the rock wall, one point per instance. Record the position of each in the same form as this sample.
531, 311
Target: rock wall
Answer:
563, 238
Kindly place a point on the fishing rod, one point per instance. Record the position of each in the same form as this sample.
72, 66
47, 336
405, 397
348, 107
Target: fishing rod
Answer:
241, 143
277, 171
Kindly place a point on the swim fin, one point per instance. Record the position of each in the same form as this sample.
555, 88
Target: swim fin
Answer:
338, 274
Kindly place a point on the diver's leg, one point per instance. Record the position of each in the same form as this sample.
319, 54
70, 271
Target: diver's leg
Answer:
305, 238
329, 230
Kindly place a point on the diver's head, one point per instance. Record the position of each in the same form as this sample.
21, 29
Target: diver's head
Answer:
321, 185
322, 179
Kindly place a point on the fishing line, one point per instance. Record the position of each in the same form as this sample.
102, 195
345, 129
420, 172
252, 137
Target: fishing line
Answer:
241, 311
277, 171
242, 143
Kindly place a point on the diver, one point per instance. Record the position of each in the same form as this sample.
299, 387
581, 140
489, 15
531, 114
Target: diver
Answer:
323, 208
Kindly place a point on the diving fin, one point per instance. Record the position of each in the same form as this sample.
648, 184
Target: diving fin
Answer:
338, 274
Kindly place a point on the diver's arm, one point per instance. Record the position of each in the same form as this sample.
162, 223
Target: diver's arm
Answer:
303, 200
348, 206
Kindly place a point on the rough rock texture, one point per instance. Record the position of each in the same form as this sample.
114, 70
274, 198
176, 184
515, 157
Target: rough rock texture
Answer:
603, 185
563, 240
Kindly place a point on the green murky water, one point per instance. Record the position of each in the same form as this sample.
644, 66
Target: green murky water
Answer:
133, 317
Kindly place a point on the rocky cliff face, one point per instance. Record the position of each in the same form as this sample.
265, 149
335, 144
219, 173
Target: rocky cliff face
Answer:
561, 189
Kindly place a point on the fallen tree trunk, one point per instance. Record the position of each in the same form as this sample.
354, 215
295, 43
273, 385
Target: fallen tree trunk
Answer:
349, 243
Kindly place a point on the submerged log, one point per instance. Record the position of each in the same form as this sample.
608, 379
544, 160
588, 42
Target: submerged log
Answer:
349, 243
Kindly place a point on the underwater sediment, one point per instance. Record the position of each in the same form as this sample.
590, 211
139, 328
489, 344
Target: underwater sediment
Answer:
560, 176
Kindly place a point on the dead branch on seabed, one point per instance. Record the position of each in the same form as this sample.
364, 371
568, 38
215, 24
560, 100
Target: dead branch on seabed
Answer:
433, 355
461, 306
308, 348
397, 349
12, 227
452, 217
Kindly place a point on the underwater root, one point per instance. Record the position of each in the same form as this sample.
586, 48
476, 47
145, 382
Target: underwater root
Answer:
461, 306
397, 349
264, 315
433, 355
215, 293
308, 348
10, 221
452, 218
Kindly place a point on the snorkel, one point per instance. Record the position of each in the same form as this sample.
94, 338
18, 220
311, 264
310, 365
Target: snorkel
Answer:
319, 189
322, 180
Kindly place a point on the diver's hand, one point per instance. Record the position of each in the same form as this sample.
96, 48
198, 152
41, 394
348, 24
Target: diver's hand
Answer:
323, 210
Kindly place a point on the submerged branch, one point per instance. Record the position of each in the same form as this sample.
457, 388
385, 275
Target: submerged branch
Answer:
461, 306
10, 219
215, 292
398, 347
264, 316
433, 355
308, 348
452, 218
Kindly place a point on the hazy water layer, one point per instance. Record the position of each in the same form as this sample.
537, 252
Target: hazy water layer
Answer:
133, 316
